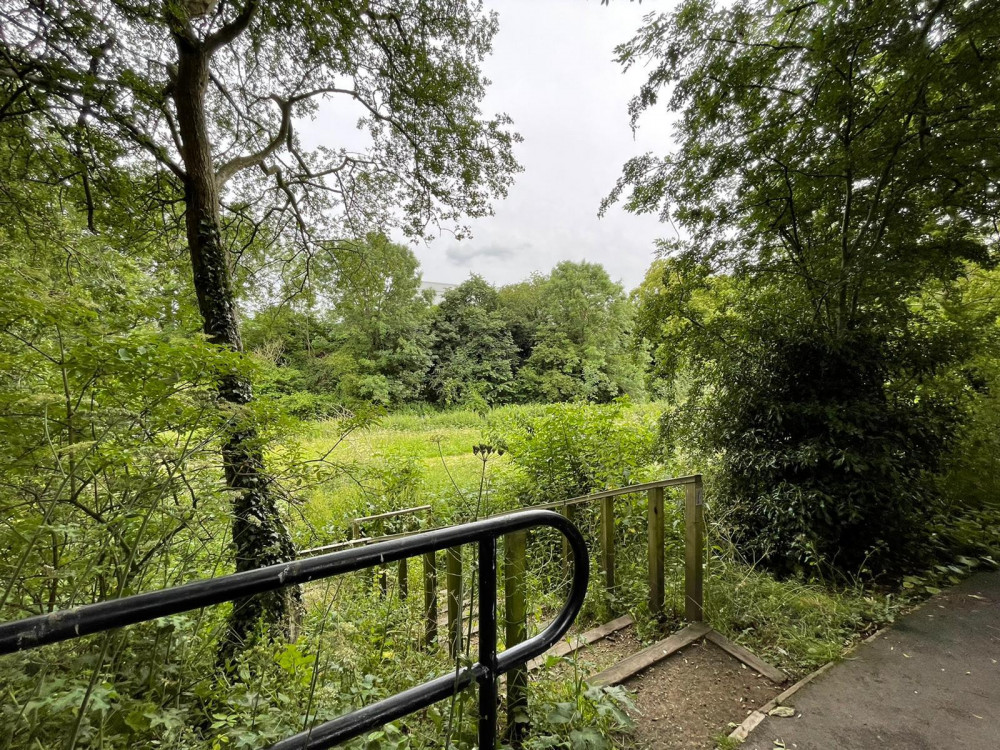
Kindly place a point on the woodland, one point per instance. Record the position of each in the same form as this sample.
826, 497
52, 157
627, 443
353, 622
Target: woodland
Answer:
216, 349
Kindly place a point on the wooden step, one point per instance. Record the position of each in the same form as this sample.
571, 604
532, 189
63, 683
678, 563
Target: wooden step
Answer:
650, 655
576, 642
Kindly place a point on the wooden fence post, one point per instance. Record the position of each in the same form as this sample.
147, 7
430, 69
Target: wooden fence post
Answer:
430, 598
570, 512
694, 551
366, 575
516, 631
655, 524
608, 542
453, 585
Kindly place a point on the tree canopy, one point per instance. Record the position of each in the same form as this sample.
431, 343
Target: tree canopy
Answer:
473, 354
847, 147
833, 159
583, 346
202, 101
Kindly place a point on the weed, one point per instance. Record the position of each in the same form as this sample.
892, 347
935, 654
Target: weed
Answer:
725, 742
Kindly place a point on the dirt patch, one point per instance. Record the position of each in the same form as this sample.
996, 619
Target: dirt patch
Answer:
687, 700
596, 656
610, 650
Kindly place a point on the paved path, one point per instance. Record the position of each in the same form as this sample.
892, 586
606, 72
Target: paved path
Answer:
930, 682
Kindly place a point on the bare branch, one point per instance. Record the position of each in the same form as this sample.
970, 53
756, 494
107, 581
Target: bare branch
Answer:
231, 30
236, 164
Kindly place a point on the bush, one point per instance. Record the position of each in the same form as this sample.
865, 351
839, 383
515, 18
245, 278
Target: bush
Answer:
825, 466
566, 450
560, 451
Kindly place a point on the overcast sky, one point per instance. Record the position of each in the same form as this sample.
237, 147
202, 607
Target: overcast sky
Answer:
553, 73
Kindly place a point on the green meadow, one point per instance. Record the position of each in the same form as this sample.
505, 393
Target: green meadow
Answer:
402, 461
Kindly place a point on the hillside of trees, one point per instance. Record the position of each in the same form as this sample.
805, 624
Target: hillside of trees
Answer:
371, 337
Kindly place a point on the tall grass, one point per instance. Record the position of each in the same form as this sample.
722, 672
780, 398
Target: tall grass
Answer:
794, 624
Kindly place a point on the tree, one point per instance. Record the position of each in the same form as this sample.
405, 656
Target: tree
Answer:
971, 481
382, 322
834, 157
583, 343
359, 337
523, 304
206, 95
841, 147
473, 354
681, 320
291, 342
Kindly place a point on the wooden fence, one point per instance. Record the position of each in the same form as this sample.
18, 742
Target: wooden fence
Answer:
694, 538
369, 529
515, 564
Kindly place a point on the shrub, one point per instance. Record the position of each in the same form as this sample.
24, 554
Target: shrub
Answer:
560, 451
825, 464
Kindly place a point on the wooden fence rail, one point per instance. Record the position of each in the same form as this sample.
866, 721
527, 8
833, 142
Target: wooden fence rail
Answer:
368, 529
515, 567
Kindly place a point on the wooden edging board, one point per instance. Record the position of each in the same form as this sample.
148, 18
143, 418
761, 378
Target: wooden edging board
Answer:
574, 643
650, 655
753, 661
756, 717
634, 664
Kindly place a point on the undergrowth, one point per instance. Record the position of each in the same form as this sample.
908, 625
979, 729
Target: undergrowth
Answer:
357, 646
799, 626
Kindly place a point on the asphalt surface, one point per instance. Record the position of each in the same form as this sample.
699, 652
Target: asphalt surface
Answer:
930, 681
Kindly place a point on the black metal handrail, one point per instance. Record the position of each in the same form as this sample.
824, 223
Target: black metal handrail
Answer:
94, 618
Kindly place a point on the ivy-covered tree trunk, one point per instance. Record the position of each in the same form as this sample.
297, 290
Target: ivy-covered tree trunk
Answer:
260, 537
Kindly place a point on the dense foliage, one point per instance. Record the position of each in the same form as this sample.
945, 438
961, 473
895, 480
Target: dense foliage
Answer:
360, 337
184, 282
203, 101
582, 344
367, 334
825, 467
473, 350
831, 161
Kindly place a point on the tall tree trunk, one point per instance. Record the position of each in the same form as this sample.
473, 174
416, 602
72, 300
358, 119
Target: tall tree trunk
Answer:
259, 536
